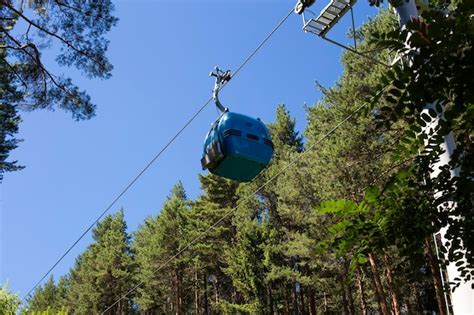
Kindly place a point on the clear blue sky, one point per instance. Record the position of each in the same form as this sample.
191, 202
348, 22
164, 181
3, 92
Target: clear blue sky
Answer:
162, 52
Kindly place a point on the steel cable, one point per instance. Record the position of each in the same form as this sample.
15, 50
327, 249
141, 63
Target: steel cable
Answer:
168, 144
245, 199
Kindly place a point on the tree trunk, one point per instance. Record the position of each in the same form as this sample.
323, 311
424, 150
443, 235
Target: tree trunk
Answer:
270, 299
348, 289
312, 302
436, 277
178, 293
303, 306
206, 303
196, 293
391, 287
360, 287
379, 292
344, 298
294, 299
352, 310
287, 306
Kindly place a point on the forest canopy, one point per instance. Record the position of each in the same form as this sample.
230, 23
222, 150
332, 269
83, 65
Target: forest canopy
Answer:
348, 229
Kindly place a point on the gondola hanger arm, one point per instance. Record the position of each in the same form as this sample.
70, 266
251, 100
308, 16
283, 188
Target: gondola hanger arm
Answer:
222, 77
301, 5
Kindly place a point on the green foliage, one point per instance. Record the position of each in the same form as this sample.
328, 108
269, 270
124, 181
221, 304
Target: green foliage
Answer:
283, 131
49, 298
209, 252
9, 118
103, 273
439, 47
263, 255
225, 307
360, 162
154, 245
9, 302
246, 260
218, 190
48, 311
303, 243
78, 28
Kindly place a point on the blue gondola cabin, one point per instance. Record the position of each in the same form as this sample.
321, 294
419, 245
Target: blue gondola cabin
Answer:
237, 147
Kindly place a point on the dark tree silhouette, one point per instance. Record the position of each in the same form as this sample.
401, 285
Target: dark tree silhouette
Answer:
78, 28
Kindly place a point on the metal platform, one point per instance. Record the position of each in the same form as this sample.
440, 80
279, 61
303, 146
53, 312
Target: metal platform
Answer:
328, 17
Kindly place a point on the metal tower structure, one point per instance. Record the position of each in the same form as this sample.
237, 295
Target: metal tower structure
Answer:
462, 299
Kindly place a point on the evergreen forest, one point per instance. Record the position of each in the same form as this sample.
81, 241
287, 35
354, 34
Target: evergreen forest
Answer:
343, 221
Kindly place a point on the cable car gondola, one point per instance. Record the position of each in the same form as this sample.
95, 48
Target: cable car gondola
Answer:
237, 147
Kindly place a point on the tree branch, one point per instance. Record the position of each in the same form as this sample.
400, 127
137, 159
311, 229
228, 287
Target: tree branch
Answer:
386, 171
15, 72
31, 22
13, 39
36, 58
9, 47
40, 64
28, 32
62, 4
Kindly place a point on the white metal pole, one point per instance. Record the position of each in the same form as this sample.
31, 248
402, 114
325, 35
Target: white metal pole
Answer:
462, 299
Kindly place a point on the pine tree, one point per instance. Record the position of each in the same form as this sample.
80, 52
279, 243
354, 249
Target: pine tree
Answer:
258, 265
155, 244
343, 167
78, 28
246, 267
212, 287
311, 241
218, 190
283, 131
50, 297
152, 295
103, 273
9, 118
